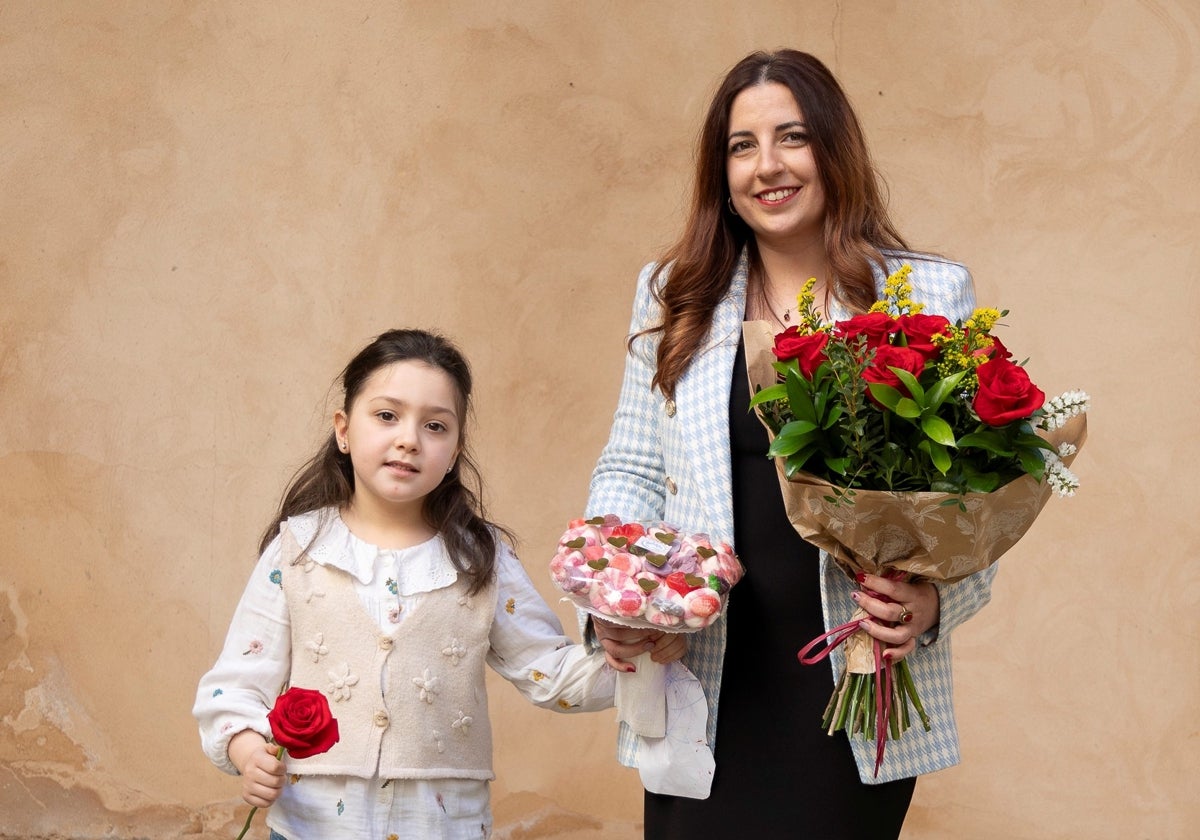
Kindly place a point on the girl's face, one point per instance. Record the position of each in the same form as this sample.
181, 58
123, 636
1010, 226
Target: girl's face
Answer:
773, 180
402, 433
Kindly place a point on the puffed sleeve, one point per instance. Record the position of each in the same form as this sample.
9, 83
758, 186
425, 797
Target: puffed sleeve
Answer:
241, 687
629, 478
530, 650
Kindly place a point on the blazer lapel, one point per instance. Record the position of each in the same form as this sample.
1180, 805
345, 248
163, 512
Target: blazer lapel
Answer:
704, 390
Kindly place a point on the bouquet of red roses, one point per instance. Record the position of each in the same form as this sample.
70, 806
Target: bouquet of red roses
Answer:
908, 447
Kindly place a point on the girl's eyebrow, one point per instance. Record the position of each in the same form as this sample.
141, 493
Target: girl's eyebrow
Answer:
434, 409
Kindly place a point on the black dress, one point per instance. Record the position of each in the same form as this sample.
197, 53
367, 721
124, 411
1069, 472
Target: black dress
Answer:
778, 775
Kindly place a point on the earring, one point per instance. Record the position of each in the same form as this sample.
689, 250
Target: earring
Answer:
729, 203
342, 445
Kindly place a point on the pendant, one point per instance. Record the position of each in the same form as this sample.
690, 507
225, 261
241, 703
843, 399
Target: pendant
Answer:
787, 316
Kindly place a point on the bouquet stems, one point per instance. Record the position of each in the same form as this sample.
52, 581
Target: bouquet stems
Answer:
872, 705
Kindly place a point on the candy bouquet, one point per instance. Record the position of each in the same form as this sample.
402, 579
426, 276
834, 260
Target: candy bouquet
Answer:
909, 448
652, 577
640, 576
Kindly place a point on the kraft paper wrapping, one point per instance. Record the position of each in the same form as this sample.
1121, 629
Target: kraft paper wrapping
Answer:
911, 531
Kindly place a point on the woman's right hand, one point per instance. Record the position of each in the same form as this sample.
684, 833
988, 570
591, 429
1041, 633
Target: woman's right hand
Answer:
262, 773
622, 644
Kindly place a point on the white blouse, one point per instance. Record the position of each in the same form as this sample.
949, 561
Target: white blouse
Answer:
255, 661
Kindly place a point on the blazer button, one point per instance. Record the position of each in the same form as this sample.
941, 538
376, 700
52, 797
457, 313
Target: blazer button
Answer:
381, 719
670, 406
671, 488
385, 643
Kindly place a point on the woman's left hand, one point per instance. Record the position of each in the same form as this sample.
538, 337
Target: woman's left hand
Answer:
622, 644
914, 608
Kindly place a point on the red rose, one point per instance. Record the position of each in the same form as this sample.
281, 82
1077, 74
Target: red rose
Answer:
887, 357
807, 350
302, 723
876, 327
919, 331
1005, 392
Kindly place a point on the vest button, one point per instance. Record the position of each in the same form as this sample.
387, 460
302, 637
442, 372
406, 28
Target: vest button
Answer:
381, 719
385, 643
670, 407
671, 486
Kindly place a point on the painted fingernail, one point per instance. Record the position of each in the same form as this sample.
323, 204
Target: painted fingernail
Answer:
855, 596
861, 577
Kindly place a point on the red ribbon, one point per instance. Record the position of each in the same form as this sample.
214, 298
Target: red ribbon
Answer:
883, 669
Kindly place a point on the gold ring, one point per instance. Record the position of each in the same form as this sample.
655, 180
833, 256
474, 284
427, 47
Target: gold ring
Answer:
906, 616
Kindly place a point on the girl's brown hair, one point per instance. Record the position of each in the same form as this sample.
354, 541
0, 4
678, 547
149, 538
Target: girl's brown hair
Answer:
701, 263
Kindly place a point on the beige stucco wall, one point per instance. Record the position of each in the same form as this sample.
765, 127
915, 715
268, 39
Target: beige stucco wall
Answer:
205, 207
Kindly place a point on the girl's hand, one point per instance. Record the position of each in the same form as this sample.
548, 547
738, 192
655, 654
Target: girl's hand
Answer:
624, 643
262, 773
914, 608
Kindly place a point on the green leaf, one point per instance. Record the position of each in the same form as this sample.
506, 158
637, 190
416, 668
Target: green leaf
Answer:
837, 465
800, 397
835, 414
1032, 462
885, 394
939, 455
795, 463
993, 442
937, 429
944, 388
1032, 441
768, 394
907, 409
910, 382
791, 441
983, 482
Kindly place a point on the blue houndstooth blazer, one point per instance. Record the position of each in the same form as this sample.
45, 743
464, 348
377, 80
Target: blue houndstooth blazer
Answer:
671, 462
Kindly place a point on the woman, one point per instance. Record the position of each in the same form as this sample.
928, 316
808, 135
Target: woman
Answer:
784, 191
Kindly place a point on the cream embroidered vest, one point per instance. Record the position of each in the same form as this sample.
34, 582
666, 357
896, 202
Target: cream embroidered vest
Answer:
433, 720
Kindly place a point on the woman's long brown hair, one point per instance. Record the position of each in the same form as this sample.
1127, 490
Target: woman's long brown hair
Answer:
700, 264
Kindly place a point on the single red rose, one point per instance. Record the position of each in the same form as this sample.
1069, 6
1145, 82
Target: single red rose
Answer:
807, 350
887, 357
876, 327
302, 722
1005, 393
919, 331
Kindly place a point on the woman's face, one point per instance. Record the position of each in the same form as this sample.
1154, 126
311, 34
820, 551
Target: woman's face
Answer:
773, 179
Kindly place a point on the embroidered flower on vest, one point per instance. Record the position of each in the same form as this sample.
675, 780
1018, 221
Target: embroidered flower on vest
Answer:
455, 651
316, 647
427, 686
339, 689
462, 723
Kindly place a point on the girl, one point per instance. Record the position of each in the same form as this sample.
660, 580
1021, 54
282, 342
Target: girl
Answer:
382, 584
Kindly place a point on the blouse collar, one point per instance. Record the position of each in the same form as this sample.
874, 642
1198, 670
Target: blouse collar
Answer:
420, 568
